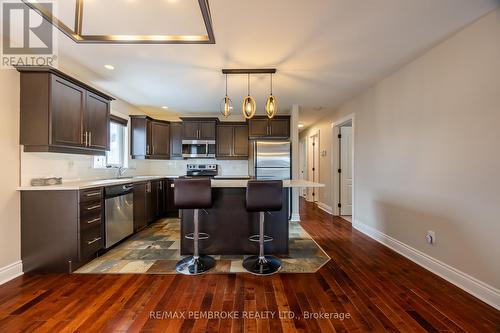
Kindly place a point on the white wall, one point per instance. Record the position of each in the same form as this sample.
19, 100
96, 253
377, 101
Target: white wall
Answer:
427, 152
10, 227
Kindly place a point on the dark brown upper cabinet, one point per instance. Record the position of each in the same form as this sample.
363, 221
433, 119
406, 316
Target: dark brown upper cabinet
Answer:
150, 139
176, 140
199, 128
62, 114
232, 141
265, 128
160, 139
97, 121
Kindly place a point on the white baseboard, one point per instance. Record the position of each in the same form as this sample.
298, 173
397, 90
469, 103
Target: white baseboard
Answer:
10, 272
324, 207
473, 286
295, 217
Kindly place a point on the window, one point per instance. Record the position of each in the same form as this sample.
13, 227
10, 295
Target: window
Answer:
117, 156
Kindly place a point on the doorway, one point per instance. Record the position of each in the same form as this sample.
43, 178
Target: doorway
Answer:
343, 171
345, 174
313, 165
303, 165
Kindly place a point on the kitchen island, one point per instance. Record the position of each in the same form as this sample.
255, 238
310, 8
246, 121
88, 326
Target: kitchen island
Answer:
229, 224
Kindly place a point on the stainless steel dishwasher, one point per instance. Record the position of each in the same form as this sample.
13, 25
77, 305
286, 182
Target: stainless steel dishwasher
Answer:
119, 210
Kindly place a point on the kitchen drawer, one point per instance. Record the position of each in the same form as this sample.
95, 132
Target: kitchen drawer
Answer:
91, 241
90, 209
91, 195
91, 220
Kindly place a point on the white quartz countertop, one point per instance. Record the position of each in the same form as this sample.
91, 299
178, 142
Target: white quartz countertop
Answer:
243, 183
80, 185
84, 184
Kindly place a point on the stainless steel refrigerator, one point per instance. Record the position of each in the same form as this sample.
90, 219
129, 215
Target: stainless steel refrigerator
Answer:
270, 160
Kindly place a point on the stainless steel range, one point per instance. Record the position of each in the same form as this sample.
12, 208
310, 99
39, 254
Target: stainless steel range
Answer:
202, 170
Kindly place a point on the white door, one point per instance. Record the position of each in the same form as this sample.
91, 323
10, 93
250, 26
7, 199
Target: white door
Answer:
313, 166
302, 164
346, 171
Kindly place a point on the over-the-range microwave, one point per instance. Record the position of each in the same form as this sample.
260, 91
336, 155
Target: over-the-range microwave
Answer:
198, 148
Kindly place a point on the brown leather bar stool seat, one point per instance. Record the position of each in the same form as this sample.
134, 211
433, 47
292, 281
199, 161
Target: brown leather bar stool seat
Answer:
194, 193
263, 196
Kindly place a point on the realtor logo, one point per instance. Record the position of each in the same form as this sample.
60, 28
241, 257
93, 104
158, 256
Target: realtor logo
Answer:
27, 38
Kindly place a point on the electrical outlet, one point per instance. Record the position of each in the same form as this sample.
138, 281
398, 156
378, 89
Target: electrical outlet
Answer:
430, 237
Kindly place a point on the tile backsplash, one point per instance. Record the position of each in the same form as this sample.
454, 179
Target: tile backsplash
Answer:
80, 167
178, 167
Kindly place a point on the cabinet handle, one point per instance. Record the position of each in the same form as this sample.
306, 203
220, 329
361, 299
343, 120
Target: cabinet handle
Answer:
161, 186
93, 241
90, 139
94, 220
84, 139
94, 207
153, 150
147, 149
92, 194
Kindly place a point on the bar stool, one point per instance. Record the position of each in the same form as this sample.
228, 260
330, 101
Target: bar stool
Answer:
263, 196
194, 193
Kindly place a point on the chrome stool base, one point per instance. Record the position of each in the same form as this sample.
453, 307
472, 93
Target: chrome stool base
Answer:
192, 266
262, 266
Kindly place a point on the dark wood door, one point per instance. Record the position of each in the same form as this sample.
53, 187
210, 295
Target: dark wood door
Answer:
97, 121
67, 106
160, 139
240, 141
162, 198
279, 127
138, 140
258, 127
175, 140
225, 134
152, 201
207, 130
190, 130
149, 138
140, 216
169, 190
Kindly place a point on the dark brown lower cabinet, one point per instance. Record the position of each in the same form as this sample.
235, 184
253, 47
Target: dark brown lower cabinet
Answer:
61, 230
153, 201
170, 209
140, 206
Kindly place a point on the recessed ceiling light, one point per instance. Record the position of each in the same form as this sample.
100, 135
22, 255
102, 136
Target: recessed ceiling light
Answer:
109, 67
301, 126
164, 107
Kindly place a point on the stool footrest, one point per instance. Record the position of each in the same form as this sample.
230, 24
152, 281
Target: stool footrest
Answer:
201, 236
255, 238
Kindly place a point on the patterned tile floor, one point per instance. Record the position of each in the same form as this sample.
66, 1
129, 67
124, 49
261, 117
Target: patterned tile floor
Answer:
155, 250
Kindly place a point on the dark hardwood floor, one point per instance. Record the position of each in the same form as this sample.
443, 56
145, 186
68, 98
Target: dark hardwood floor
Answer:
375, 289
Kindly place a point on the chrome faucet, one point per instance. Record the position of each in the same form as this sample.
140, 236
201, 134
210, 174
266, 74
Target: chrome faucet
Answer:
121, 171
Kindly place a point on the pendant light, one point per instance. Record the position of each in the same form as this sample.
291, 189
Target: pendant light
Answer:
271, 107
248, 106
226, 105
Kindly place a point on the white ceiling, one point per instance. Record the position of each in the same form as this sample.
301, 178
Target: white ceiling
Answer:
325, 50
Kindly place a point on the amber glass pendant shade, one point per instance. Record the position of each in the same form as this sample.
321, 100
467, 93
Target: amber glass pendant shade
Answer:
249, 107
226, 105
271, 106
